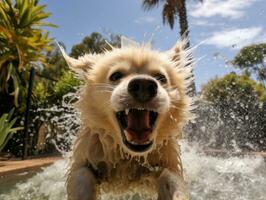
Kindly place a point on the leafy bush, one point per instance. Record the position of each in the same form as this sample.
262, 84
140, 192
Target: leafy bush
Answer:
233, 87
231, 114
22, 43
6, 128
67, 83
94, 43
40, 93
252, 59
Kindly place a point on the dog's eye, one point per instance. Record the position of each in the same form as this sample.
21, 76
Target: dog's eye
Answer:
161, 78
116, 76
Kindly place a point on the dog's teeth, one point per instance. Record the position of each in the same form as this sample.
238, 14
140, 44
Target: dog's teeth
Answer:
132, 142
127, 111
135, 143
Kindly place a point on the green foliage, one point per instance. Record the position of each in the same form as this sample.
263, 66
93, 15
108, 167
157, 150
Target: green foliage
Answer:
252, 59
46, 79
250, 55
94, 43
56, 63
233, 87
6, 128
260, 90
40, 92
22, 42
232, 114
67, 83
53, 95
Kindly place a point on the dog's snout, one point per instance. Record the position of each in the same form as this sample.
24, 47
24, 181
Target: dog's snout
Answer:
142, 89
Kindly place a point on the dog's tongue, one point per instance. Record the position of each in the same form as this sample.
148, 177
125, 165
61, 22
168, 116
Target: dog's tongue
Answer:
138, 120
138, 125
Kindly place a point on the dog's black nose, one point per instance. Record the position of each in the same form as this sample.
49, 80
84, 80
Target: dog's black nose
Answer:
142, 89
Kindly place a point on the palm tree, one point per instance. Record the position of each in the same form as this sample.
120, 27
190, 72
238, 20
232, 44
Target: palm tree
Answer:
172, 9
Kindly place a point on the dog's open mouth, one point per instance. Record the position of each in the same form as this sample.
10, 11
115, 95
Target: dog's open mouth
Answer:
136, 128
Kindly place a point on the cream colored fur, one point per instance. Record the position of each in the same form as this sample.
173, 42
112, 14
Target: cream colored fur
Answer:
99, 157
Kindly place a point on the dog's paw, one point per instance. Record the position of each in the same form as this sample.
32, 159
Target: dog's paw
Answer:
81, 185
171, 187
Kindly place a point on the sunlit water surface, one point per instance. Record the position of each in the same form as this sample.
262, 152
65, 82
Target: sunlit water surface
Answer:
209, 177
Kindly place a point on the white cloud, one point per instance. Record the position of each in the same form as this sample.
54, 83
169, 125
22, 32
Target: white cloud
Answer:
144, 20
224, 8
236, 38
200, 22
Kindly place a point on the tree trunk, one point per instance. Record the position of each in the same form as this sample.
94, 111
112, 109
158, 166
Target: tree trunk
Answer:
184, 32
183, 23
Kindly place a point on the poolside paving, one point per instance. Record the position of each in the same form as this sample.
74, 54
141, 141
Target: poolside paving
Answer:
18, 166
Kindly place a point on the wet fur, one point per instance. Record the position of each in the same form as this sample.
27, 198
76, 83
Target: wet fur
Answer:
99, 157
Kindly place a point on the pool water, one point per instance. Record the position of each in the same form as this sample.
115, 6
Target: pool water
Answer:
7, 183
209, 178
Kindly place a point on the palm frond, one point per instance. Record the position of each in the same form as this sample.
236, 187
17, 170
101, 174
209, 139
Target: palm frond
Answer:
149, 4
168, 14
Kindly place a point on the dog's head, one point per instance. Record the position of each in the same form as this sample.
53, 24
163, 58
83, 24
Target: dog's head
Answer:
136, 94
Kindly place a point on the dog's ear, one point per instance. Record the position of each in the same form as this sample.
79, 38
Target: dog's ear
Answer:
80, 66
180, 53
175, 52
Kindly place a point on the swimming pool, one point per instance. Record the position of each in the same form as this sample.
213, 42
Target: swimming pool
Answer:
209, 178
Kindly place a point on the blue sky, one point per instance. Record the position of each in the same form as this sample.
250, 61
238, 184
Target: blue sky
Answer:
224, 26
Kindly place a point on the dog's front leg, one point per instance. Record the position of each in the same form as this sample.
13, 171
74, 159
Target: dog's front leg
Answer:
171, 186
81, 184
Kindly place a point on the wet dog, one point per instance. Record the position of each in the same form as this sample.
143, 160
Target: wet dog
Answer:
133, 107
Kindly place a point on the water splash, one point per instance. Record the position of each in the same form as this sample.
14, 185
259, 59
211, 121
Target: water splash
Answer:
209, 178
61, 123
46, 185
232, 178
